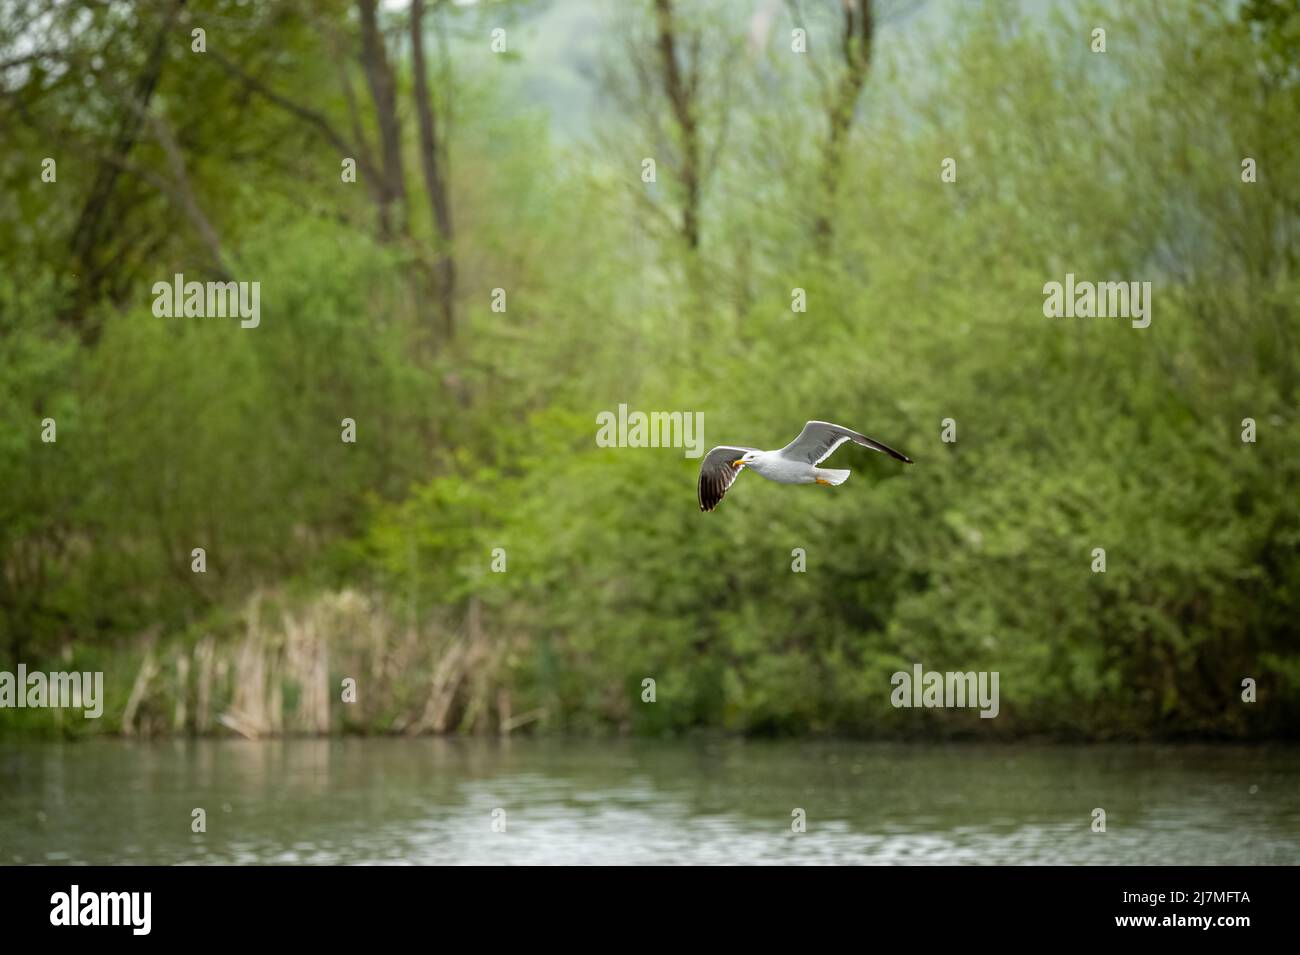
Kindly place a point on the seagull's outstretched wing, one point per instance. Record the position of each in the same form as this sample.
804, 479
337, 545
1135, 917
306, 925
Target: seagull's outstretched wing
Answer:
717, 474
819, 439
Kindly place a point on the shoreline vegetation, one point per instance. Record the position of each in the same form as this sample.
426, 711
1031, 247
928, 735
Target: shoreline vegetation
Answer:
341, 664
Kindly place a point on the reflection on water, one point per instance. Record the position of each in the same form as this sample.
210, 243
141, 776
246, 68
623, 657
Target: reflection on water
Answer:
432, 801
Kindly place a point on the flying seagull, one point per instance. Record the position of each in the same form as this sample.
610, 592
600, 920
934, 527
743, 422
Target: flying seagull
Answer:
796, 463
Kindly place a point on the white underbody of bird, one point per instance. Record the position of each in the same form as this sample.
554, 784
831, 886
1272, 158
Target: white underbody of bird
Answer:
796, 463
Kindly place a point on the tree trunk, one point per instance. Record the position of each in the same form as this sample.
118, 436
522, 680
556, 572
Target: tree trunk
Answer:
680, 93
856, 46
88, 234
383, 92
435, 182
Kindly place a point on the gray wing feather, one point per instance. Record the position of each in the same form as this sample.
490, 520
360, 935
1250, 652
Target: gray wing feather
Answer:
819, 439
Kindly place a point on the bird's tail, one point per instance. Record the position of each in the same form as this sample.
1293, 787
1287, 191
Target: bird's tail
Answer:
834, 477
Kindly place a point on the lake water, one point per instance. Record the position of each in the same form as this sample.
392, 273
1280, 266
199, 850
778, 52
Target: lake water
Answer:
430, 801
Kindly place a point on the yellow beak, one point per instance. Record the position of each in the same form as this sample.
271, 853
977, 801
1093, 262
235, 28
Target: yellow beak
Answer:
738, 462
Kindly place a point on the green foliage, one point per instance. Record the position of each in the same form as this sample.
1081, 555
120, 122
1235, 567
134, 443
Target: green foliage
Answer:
926, 304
